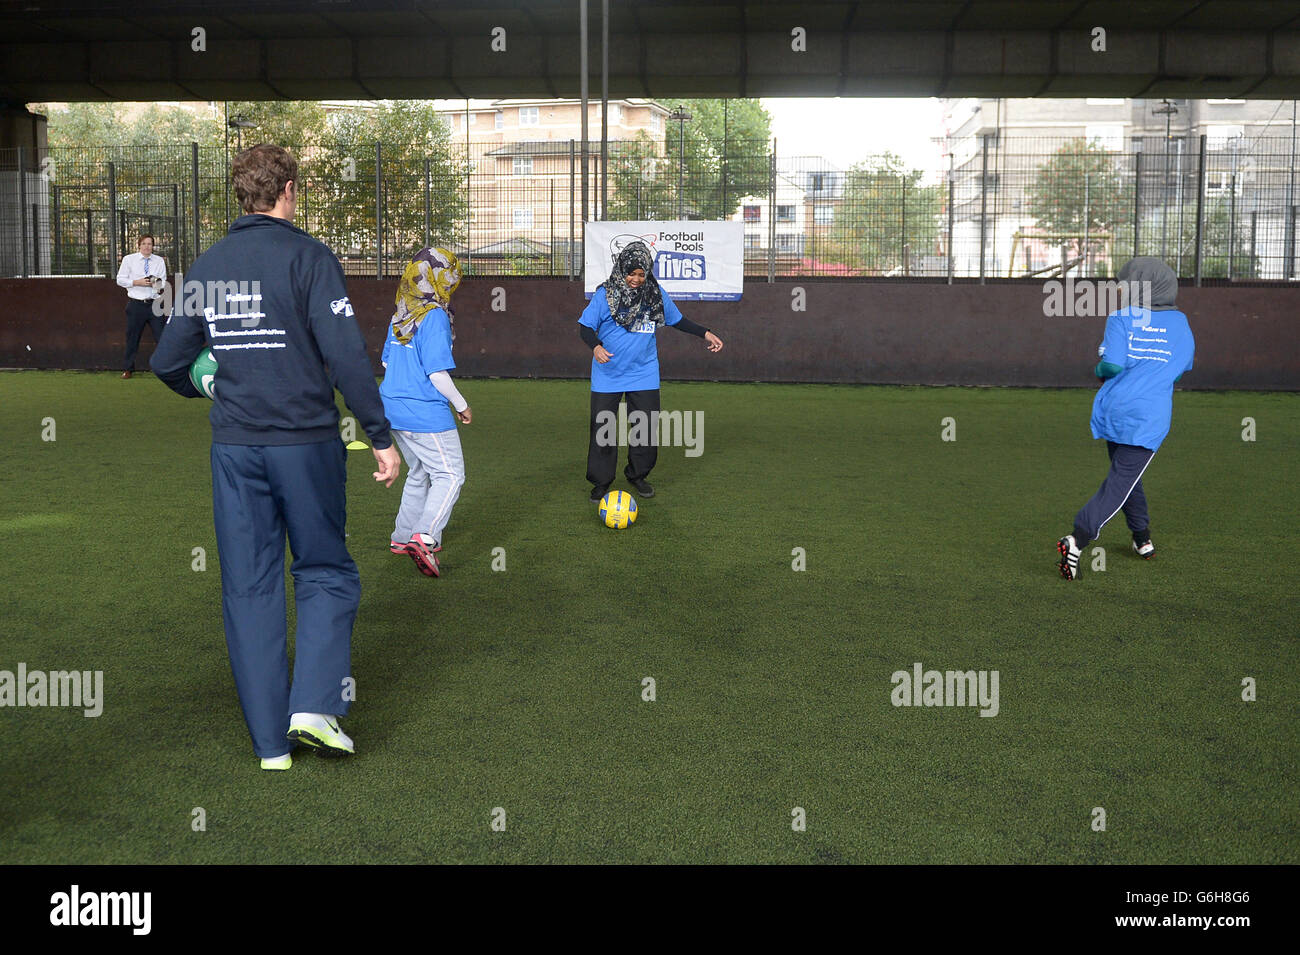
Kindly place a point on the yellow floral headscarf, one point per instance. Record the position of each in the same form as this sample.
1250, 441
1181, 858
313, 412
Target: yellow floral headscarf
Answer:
427, 283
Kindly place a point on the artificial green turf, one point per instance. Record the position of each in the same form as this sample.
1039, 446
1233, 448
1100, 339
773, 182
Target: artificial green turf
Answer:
522, 689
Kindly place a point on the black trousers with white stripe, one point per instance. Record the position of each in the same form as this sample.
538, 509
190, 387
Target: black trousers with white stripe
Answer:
1122, 490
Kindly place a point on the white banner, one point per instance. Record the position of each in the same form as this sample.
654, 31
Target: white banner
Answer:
694, 261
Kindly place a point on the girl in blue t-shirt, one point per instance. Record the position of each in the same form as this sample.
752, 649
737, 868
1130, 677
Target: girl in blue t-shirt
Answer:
619, 325
423, 405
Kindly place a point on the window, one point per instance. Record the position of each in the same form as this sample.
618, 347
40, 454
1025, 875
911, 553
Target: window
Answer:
523, 218
753, 213
785, 213
656, 121
752, 240
529, 116
523, 166
615, 114
821, 183
1106, 101
788, 243
823, 214
1219, 137
1108, 136
499, 119
1218, 182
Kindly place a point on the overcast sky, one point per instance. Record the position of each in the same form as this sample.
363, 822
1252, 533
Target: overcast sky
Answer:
845, 131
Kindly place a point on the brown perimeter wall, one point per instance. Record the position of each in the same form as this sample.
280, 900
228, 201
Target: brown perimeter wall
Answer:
854, 332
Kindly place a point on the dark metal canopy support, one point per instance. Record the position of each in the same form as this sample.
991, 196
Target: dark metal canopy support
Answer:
604, 109
582, 69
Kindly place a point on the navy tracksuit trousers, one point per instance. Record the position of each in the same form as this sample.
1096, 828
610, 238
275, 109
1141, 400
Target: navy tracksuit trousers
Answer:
1121, 489
260, 494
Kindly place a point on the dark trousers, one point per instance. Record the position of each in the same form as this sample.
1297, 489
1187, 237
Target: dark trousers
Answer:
602, 452
260, 494
1122, 489
138, 315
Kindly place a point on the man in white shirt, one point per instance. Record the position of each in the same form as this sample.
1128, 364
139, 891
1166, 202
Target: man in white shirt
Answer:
142, 275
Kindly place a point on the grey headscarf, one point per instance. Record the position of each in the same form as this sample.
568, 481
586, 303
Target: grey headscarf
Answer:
1148, 277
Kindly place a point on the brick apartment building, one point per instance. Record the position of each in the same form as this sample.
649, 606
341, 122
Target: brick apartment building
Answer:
523, 155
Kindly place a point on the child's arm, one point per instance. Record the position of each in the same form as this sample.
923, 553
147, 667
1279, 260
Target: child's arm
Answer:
684, 324
1114, 348
674, 317
447, 388
589, 321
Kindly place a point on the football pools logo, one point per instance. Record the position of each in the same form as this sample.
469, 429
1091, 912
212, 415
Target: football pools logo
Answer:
685, 262
624, 239
680, 266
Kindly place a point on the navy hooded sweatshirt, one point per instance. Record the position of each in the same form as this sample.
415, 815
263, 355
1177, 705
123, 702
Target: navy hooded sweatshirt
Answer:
272, 303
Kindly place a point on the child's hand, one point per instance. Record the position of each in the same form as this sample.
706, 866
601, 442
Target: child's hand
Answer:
464, 417
601, 355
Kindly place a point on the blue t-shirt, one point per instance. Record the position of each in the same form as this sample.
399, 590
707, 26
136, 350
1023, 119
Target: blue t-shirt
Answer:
1154, 348
635, 362
410, 400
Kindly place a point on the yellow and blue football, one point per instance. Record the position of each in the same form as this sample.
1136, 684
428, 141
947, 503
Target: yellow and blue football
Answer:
617, 509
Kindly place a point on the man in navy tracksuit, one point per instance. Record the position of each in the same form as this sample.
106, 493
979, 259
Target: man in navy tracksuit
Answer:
275, 311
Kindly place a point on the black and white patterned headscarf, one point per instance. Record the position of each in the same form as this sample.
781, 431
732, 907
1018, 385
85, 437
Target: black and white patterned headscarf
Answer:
626, 304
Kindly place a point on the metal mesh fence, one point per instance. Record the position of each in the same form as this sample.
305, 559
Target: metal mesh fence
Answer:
1213, 209
991, 207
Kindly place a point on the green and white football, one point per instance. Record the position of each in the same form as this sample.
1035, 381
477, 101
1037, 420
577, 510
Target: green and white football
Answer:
203, 373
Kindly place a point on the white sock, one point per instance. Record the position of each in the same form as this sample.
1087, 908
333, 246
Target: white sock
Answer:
319, 720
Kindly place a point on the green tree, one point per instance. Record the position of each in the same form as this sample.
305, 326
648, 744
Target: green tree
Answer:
297, 125
149, 148
81, 124
886, 216
1215, 241
339, 182
163, 126
726, 148
288, 123
1081, 175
